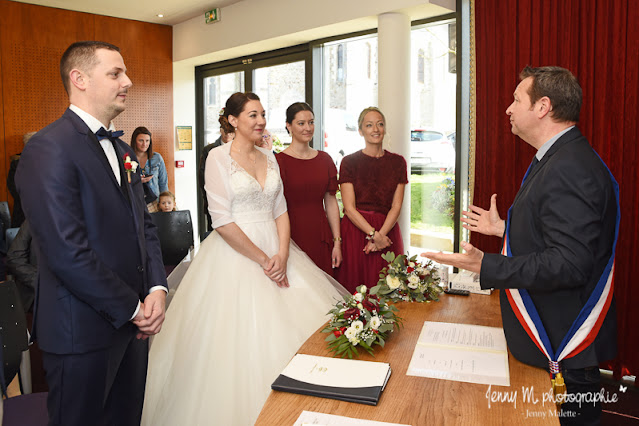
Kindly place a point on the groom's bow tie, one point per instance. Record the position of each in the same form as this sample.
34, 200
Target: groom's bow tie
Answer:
108, 134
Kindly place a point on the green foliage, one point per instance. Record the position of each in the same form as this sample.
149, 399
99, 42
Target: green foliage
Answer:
444, 197
423, 215
362, 319
407, 279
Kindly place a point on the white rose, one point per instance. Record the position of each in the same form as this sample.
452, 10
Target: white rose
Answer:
363, 289
358, 297
393, 282
360, 306
413, 281
351, 335
411, 264
357, 326
375, 322
350, 332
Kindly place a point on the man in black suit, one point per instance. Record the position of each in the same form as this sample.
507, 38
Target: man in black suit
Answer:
560, 235
101, 284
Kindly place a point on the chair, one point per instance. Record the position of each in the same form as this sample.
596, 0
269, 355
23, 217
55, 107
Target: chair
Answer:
175, 230
5, 215
10, 235
21, 410
5, 222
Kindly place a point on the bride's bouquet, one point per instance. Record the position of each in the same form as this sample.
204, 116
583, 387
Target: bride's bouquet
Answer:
362, 319
407, 279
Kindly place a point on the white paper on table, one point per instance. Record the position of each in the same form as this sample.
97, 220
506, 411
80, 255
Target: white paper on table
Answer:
461, 352
337, 372
466, 280
322, 419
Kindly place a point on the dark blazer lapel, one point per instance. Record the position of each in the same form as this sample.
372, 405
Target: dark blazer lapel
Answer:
133, 203
94, 145
92, 141
125, 186
572, 134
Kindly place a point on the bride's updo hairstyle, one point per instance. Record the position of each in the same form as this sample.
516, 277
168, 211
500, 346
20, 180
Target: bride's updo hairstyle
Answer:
292, 111
234, 106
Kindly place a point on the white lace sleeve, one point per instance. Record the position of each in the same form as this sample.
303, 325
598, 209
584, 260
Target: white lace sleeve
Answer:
217, 185
279, 207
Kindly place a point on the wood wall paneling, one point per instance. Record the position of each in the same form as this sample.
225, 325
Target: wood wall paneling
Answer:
147, 51
32, 40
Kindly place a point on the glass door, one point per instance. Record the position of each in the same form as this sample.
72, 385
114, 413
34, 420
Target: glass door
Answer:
350, 85
279, 86
217, 90
433, 139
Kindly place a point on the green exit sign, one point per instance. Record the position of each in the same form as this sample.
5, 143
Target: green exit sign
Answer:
212, 15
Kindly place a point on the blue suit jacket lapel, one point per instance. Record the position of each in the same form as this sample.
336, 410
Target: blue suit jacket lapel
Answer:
94, 145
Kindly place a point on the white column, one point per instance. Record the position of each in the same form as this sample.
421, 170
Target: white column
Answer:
393, 62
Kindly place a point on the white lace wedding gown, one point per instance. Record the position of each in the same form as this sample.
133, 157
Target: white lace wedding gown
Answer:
229, 330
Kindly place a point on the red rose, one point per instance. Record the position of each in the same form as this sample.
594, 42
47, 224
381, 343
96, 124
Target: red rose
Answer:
342, 330
409, 269
337, 333
351, 313
368, 305
127, 166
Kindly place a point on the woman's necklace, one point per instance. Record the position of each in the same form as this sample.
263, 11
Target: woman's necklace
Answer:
247, 154
304, 156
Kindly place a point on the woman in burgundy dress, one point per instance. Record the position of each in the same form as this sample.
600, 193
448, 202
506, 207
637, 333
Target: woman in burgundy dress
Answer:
310, 183
372, 184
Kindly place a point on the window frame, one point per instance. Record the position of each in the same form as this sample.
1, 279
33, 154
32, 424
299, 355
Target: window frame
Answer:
312, 54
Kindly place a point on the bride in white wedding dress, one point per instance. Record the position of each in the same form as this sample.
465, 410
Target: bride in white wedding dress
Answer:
249, 299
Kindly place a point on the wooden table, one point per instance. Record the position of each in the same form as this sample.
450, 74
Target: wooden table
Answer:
420, 401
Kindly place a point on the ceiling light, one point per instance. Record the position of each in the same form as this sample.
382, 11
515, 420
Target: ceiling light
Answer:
160, 15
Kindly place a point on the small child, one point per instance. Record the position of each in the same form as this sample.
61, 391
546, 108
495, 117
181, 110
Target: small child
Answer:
166, 203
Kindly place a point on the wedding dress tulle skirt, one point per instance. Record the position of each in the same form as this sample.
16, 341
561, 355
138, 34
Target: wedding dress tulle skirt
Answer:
230, 331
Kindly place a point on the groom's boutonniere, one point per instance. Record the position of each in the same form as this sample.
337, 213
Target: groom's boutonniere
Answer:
130, 166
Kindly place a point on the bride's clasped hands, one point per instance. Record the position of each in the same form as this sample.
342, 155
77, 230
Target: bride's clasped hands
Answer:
275, 269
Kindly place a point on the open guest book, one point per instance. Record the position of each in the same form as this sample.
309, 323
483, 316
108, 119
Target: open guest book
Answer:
344, 379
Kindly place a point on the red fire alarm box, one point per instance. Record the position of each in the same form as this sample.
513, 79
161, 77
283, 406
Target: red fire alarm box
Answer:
179, 164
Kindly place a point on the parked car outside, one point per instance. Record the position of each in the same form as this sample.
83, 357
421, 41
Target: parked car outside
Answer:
431, 150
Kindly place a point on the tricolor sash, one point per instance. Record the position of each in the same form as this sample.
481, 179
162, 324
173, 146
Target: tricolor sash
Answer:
587, 324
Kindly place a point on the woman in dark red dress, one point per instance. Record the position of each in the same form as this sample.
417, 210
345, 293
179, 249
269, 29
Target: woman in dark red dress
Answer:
372, 183
310, 183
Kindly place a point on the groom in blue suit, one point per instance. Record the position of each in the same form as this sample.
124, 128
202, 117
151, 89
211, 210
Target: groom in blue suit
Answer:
101, 284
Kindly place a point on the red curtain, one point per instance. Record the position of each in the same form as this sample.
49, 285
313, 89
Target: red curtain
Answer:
595, 40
